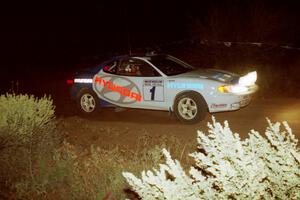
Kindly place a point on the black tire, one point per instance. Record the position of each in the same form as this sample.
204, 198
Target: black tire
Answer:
88, 102
190, 108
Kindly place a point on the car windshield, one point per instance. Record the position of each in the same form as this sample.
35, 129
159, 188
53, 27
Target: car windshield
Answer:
170, 65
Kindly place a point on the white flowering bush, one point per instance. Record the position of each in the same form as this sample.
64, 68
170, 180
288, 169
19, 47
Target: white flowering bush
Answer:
227, 167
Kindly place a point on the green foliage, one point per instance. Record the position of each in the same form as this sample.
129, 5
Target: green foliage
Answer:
27, 136
22, 114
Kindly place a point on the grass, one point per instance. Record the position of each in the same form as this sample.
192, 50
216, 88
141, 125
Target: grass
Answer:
95, 172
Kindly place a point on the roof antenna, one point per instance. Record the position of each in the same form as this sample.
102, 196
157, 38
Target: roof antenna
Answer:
127, 30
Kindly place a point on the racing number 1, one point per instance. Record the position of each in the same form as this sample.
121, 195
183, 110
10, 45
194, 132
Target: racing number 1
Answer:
152, 91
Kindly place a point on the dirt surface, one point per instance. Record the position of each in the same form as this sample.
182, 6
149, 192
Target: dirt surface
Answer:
124, 127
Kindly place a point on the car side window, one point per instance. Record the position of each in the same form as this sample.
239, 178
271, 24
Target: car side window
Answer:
111, 67
136, 67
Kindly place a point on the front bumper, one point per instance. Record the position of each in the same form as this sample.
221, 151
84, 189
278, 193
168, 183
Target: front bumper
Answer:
231, 102
244, 101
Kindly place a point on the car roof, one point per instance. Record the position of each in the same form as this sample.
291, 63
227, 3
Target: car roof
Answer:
141, 55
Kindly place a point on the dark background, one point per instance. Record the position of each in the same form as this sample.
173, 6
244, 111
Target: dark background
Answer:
42, 44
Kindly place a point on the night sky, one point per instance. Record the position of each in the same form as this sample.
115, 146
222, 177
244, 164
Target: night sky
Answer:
41, 38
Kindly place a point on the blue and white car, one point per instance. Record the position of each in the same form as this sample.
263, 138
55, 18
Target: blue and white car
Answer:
162, 82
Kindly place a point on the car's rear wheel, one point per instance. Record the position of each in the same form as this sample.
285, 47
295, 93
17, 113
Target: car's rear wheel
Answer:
190, 108
87, 102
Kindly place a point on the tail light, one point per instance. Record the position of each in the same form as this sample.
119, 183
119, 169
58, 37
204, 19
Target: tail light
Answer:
70, 82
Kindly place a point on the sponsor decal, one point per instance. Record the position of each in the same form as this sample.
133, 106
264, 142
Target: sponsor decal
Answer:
153, 83
223, 105
185, 86
107, 88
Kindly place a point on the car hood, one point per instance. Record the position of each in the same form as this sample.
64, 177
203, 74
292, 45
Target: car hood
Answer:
213, 74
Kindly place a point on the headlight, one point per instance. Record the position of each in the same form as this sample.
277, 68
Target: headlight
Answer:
248, 79
242, 86
233, 89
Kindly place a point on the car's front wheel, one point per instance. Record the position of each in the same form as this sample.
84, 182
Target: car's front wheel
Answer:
190, 107
87, 102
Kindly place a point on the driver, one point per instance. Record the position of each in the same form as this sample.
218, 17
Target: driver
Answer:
135, 70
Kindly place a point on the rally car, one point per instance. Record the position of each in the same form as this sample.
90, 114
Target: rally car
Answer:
161, 82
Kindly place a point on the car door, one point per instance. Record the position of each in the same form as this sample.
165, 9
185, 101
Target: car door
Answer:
131, 82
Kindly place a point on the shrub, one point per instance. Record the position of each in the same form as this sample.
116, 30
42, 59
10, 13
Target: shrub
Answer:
227, 167
21, 115
27, 134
